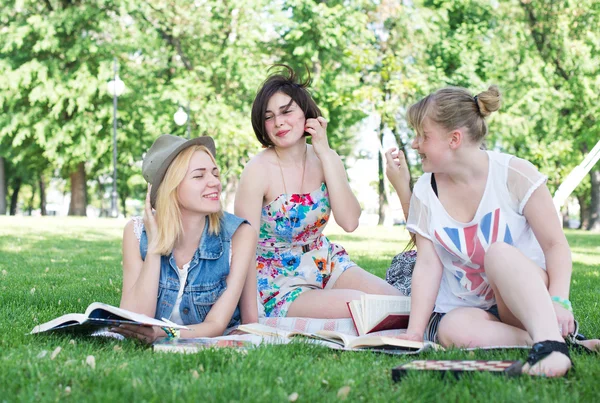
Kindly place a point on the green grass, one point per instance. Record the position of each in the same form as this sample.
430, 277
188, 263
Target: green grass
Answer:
73, 262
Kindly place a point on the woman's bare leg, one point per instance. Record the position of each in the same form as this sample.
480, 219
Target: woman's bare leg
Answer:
329, 304
474, 327
521, 289
332, 303
356, 278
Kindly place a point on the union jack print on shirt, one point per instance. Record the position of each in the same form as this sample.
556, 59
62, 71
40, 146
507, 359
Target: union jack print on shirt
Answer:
468, 246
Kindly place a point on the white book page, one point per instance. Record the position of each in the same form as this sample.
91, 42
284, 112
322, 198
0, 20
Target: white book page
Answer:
61, 320
379, 306
263, 330
310, 325
356, 308
336, 336
136, 317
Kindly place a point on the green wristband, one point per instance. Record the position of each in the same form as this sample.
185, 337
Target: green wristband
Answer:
565, 303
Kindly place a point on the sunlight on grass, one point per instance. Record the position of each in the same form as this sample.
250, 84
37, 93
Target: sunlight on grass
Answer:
51, 266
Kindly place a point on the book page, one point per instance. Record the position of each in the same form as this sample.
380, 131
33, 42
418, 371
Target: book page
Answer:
377, 307
61, 320
98, 310
263, 330
356, 311
374, 341
310, 325
336, 337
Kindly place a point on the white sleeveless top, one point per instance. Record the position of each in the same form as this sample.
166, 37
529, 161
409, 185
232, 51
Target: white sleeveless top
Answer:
461, 247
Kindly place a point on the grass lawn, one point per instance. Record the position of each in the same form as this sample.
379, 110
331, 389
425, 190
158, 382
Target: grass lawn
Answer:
51, 266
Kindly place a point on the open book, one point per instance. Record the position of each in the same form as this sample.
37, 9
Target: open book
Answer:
235, 342
384, 341
97, 316
373, 313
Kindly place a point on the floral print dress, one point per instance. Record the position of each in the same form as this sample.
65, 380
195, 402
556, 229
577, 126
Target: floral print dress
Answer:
293, 255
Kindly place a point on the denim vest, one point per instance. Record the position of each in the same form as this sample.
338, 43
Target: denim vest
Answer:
207, 273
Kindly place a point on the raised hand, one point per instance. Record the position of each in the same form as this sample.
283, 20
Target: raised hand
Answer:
396, 168
317, 128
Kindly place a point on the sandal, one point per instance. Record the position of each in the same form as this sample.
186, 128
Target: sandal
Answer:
539, 351
574, 341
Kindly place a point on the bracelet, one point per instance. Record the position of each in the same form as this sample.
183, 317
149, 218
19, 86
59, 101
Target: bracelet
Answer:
565, 303
172, 333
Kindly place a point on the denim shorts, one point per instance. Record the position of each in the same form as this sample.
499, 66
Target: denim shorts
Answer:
434, 323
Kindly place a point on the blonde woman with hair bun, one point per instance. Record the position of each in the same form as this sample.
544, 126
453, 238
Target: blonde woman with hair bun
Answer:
493, 263
186, 260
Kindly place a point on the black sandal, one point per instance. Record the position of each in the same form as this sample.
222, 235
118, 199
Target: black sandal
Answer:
574, 341
538, 352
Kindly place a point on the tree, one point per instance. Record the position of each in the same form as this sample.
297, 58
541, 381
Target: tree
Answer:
55, 57
2, 187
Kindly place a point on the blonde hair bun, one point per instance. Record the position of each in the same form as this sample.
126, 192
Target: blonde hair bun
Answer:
489, 101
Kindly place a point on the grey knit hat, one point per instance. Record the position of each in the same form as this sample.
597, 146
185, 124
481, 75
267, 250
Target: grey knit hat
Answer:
162, 153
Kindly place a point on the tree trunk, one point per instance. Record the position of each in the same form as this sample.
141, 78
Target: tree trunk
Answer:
2, 188
42, 185
78, 203
30, 207
583, 212
594, 222
381, 187
15, 196
123, 199
564, 213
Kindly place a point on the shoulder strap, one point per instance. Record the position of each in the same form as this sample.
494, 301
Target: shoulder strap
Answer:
434, 185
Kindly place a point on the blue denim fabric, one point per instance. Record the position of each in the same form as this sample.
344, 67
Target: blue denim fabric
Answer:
207, 273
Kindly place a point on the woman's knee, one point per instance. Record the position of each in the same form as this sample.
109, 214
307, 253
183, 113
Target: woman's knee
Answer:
456, 327
498, 251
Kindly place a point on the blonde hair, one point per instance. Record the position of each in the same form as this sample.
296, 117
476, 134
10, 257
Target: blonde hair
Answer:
168, 213
455, 107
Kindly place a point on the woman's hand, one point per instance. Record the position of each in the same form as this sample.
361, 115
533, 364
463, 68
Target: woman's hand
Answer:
565, 319
144, 334
317, 128
409, 335
149, 220
396, 168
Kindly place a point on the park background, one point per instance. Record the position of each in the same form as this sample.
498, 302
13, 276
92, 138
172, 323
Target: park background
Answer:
203, 60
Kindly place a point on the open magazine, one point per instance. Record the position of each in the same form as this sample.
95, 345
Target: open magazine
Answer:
98, 316
387, 340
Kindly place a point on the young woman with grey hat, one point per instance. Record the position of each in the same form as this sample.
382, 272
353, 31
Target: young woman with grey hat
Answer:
186, 261
287, 193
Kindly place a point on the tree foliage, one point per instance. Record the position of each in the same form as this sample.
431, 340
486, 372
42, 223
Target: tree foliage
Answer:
364, 58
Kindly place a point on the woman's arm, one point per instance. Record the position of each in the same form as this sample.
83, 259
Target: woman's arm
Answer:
426, 279
396, 170
219, 316
248, 204
541, 216
345, 206
140, 277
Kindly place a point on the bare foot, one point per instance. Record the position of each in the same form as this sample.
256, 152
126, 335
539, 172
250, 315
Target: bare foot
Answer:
555, 364
593, 345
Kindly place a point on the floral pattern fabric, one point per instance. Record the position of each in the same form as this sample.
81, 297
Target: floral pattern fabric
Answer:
293, 255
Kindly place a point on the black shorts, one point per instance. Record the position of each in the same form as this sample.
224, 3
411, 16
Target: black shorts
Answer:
436, 317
